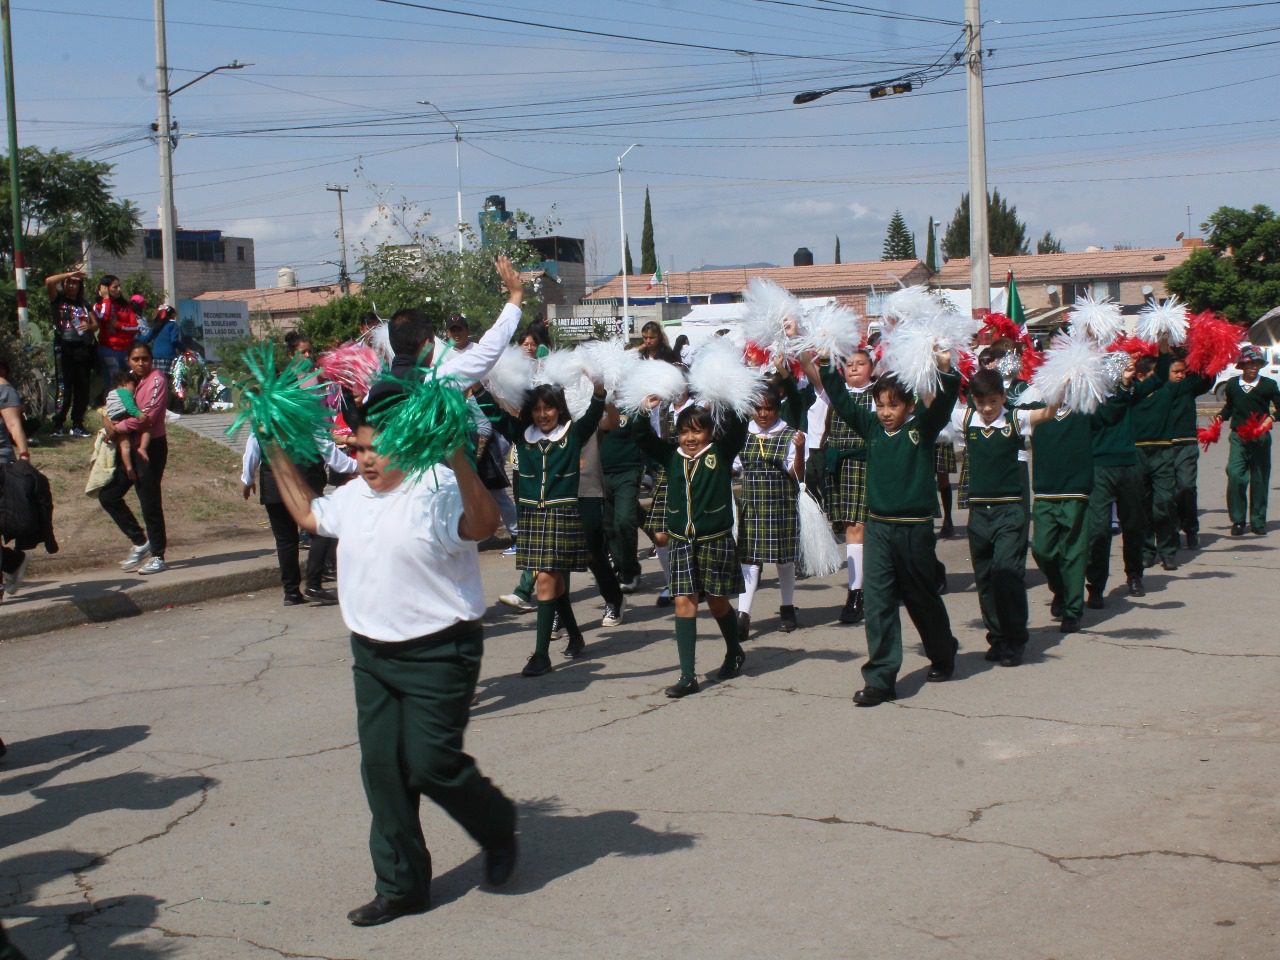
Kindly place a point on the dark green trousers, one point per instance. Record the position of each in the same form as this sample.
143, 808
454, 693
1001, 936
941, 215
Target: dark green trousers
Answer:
622, 520
412, 706
900, 565
1123, 487
1159, 488
1059, 545
591, 510
998, 548
1186, 470
1248, 477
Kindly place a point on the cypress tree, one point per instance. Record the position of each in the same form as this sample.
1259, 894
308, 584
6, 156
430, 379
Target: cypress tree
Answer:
648, 257
837, 248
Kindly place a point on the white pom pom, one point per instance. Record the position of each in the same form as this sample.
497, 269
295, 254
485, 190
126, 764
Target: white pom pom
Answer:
511, 377
819, 554
767, 306
911, 303
649, 378
1099, 319
562, 368
833, 331
721, 381
380, 340
1168, 320
1074, 373
910, 348
607, 361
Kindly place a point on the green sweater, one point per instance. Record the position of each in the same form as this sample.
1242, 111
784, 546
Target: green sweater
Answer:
618, 450
901, 475
1062, 450
1150, 416
699, 489
1113, 444
1181, 425
1239, 404
548, 469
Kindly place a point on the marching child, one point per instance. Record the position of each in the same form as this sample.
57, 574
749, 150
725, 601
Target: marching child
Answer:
699, 522
902, 562
551, 541
846, 462
662, 419
121, 406
769, 527
1184, 387
1249, 462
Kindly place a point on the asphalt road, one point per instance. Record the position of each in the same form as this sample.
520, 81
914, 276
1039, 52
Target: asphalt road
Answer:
186, 784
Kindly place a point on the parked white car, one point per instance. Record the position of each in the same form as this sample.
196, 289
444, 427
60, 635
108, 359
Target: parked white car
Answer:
1270, 369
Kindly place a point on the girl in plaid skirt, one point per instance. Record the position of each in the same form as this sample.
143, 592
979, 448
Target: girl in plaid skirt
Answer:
663, 419
551, 542
704, 557
769, 526
846, 454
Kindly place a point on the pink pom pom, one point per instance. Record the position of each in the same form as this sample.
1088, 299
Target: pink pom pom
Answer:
353, 365
1213, 343
1254, 428
1210, 434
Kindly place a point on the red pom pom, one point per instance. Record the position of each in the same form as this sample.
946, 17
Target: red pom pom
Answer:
1252, 429
1134, 345
754, 354
998, 325
1213, 343
1210, 434
1031, 359
968, 365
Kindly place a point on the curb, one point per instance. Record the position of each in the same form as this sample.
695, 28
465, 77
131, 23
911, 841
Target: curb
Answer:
116, 605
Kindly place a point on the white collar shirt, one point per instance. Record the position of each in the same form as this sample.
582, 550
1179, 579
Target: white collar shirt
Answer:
473, 364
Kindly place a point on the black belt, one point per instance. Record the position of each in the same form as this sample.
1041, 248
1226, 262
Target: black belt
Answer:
450, 634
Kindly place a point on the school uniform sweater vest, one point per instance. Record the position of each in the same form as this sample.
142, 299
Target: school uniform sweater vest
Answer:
995, 472
1062, 457
1241, 404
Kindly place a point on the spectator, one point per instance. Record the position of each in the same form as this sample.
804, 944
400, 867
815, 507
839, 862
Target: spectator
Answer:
654, 345
164, 338
117, 327
458, 331
152, 397
682, 349
536, 341
13, 446
73, 341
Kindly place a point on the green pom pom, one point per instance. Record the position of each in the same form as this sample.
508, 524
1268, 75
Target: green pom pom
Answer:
285, 408
421, 422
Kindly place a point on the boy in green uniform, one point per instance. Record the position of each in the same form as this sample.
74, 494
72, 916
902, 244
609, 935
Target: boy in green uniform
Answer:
1183, 389
901, 557
1249, 462
623, 463
1154, 448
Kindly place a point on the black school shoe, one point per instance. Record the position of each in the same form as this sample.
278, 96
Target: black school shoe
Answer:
320, 596
1237, 529
1069, 625
853, 609
1136, 589
787, 619
1168, 563
994, 655
732, 666
1056, 607
873, 696
1095, 601
1193, 540
1012, 657
538, 664
1260, 531
939, 675
744, 626
381, 910
682, 688
500, 862
294, 599
574, 648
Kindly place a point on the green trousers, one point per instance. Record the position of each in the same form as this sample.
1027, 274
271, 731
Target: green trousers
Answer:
900, 565
1186, 470
622, 520
1123, 487
412, 706
1248, 477
591, 510
1159, 488
1059, 545
998, 548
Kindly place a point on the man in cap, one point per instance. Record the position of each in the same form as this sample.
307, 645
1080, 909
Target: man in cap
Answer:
1249, 462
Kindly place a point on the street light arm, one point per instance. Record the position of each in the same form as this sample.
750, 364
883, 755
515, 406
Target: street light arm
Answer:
233, 65
457, 130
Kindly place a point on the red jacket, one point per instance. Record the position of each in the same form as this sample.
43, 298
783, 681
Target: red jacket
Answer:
117, 324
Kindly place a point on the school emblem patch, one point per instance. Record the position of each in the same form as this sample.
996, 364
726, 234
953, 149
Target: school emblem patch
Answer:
711, 461
914, 436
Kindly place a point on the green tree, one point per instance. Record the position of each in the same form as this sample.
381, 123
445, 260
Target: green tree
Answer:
1238, 273
1049, 244
899, 244
931, 248
1007, 235
648, 257
628, 266
334, 322
837, 248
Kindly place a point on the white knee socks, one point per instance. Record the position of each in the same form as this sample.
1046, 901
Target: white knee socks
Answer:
854, 552
787, 583
751, 581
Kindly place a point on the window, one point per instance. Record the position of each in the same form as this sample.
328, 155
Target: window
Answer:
202, 245
1098, 289
239, 253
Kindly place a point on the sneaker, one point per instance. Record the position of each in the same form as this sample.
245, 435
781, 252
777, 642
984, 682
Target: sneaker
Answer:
80, 433
664, 598
136, 556
613, 615
510, 551
517, 602
629, 586
57, 432
154, 565
557, 628
14, 580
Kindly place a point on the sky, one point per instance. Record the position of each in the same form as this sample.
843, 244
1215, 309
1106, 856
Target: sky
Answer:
1107, 120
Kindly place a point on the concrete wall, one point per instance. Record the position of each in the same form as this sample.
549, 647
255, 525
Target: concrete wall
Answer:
194, 276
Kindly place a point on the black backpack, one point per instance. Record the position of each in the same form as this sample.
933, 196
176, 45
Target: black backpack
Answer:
26, 507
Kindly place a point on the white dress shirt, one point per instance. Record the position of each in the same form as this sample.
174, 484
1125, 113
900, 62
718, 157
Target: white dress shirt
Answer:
474, 363
1022, 423
335, 459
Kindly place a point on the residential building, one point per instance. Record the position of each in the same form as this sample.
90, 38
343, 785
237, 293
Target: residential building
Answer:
207, 261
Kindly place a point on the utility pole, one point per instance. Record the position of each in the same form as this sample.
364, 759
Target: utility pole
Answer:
622, 234
164, 135
979, 237
344, 279
15, 201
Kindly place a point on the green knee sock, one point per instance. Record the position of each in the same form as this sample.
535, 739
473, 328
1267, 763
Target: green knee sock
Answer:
728, 625
546, 613
686, 639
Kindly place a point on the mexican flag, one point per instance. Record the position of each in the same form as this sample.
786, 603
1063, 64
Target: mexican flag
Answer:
655, 279
1013, 304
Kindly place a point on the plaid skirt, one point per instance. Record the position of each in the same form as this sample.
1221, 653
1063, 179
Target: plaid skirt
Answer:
848, 500
708, 566
944, 458
656, 521
551, 539
769, 527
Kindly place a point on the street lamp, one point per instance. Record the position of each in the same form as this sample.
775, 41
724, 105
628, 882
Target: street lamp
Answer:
457, 162
164, 133
622, 233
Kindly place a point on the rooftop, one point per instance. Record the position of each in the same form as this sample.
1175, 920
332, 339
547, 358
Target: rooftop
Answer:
821, 277
1051, 267
281, 299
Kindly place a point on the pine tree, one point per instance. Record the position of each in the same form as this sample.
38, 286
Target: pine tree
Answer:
899, 244
629, 267
648, 257
837, 248
1048, 244
1007, 235
931, 248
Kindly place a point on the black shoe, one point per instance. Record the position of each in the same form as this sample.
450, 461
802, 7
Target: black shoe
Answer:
1168, 563
682, 688
320, 596
787, 619
994, 655
1237, 529
938, 675
732, 666
1193, 540
538, 664
1260, 531
1055, 608
304, 540
1012, 657
500, 862
873, 696
744, 626
664, 598
852, 612
1149, 562
294, 599
947, 530
942, 580
1095, 601
1069, 625
573, 649
381, 910
1135, 587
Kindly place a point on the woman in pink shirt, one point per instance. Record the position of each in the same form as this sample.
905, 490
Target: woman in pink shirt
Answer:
152, 397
